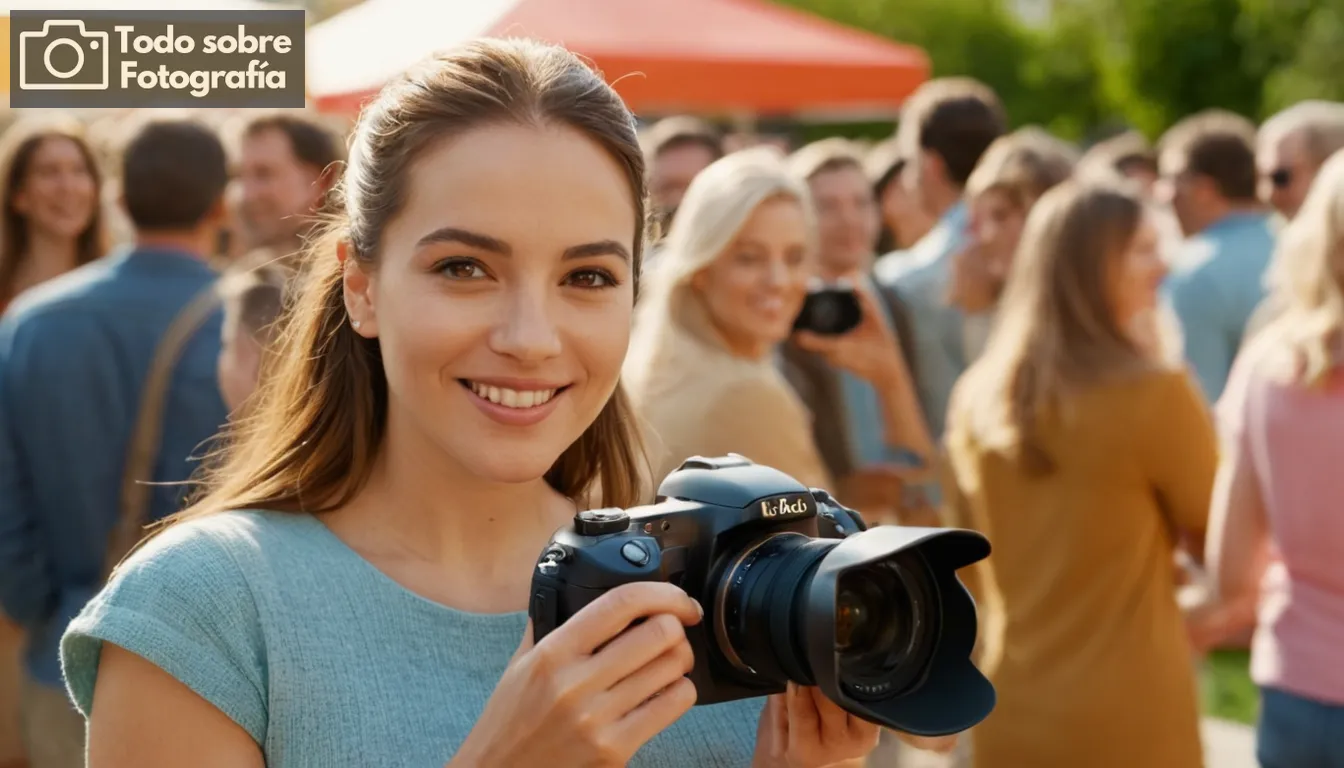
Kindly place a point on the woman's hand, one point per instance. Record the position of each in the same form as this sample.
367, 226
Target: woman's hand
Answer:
801, 728
592, 692
869, 351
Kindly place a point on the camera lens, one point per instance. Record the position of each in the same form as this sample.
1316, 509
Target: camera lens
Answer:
886, 626
884, 616
862, 616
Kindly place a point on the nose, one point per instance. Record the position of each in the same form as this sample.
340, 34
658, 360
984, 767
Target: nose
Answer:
528, 331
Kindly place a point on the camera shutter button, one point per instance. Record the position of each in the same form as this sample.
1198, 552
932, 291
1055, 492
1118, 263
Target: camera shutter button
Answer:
635, 554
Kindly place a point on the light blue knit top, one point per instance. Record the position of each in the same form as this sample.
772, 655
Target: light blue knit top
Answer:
321, 657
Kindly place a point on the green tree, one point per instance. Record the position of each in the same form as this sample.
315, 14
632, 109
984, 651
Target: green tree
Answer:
1309, 63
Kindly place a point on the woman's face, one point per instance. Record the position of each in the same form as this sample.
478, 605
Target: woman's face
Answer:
503, 297
58, 195
1137, 274
902, 213
755, 289
980, 270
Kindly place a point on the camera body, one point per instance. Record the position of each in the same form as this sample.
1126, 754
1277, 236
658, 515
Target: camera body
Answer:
794, 587
830, 310
687, 541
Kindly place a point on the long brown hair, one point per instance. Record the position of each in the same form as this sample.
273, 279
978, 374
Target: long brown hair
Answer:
1055, 334
17, 150
321, 411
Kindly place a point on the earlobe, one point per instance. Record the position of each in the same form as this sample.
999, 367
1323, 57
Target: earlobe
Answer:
358, 289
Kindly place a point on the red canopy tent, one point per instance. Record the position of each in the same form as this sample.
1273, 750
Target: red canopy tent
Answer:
663, 56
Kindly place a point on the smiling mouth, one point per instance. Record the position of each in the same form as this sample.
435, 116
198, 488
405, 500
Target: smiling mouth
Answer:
511, 398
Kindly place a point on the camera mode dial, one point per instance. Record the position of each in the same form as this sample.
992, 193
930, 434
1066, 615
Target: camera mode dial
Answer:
600, 522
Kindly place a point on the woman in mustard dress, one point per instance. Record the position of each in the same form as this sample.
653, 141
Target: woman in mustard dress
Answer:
1087, 461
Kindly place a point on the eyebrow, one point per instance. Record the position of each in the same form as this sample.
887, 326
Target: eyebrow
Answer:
495, 245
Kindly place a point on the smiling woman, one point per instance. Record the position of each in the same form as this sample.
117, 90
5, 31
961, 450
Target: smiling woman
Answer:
351, 587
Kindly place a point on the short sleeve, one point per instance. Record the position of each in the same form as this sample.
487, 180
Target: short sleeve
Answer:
1179, 448
766, 423
1232, 406
182, 603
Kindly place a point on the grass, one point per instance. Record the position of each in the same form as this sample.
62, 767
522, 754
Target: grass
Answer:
1226, 687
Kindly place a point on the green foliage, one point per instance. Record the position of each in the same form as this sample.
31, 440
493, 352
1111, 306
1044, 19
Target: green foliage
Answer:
1144, 63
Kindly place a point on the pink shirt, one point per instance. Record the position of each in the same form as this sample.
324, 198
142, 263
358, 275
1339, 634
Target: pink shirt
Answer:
1294, 440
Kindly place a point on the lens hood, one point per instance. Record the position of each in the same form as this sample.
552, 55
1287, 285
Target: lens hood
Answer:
937, 690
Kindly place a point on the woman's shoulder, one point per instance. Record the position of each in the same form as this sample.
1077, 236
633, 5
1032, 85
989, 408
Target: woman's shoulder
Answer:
191, 602
236, 537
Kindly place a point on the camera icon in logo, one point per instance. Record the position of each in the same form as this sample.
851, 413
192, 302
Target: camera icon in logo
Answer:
64, 56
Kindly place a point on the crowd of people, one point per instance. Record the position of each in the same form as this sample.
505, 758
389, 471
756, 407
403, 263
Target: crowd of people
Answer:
393, 363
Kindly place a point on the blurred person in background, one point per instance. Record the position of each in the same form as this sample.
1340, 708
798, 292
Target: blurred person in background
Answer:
1277, 522
676, 149
732, 278
353, 586
75, 354
1290, 149
1291, 146
52, 212
1128, 155
1013, 174
1088, 461
865, 450
287, 163
945, 127
253, 302
904, 220
52, 223
1217, 277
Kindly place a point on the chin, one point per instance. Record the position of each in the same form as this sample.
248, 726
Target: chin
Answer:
511, 464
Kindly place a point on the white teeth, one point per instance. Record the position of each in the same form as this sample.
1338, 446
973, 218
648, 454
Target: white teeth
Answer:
512, 398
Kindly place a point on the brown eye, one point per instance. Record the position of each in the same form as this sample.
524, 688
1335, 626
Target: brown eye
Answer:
462, 269
591, 278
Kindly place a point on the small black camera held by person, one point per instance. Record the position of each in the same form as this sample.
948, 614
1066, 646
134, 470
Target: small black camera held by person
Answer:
794, 587
830, 310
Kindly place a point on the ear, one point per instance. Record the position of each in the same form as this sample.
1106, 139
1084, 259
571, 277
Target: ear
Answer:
931, 163
358, 286
699, 280
20, 202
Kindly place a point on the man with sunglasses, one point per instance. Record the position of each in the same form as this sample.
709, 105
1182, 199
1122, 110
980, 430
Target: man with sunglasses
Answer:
1291, 147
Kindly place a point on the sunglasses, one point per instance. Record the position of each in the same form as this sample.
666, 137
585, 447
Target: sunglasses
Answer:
1281, 178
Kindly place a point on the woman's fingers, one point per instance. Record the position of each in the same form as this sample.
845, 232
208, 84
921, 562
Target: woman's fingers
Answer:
834, 720
635, 648
650, 679
600, 621
804, 721
657, 713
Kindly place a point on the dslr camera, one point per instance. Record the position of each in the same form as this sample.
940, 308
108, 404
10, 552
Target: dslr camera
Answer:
829, 310
794, 587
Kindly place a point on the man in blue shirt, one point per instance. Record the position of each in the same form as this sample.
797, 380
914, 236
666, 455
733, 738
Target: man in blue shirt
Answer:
1209, 177
945, 127
74, 357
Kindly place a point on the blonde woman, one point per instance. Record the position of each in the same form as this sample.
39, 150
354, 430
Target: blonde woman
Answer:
1087, 460
1279, 490
732, 279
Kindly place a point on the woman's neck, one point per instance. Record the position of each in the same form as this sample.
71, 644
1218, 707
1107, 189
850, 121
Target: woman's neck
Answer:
47, 256
446, 534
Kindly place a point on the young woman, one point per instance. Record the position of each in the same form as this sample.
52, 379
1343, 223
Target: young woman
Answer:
732, 279
1277, 524
49, 201
1087, 461
904, 222
350, 590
